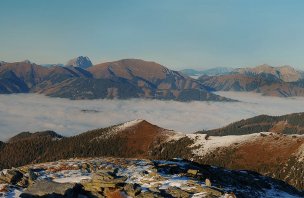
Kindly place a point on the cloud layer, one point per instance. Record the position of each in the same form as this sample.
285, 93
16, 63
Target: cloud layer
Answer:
31, 112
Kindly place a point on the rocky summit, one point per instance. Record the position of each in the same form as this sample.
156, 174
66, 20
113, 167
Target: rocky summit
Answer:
121, 177
80, 61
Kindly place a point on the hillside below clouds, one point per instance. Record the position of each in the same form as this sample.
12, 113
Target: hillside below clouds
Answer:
273, 154
123, 79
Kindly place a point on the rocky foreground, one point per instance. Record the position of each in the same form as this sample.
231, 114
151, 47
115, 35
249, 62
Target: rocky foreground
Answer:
118, 177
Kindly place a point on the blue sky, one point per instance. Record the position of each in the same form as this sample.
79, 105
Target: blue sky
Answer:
176, 33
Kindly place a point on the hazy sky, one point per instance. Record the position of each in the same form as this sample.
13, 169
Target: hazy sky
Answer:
176, 33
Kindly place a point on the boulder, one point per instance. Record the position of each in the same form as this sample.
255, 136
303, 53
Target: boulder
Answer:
24, 182
192, 171
51, 189
102, 180
177, 192
86, 167
149, 194
207, 182
132, 189
32, 176
11, 176
212, 191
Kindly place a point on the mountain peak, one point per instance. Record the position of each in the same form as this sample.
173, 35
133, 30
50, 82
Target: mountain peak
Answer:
80, 61
132, 124
285, 72
27, 61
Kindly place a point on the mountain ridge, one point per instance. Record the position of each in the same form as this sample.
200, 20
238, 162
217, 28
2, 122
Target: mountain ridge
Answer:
123, 79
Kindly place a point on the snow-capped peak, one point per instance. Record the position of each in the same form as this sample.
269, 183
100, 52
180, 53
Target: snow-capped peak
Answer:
129, 124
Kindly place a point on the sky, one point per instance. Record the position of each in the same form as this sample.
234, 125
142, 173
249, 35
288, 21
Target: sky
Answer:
33, 112
176, 33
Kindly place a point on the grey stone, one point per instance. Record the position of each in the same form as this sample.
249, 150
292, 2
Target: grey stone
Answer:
51, 189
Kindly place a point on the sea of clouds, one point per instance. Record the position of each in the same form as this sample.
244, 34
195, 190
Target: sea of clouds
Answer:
32, 112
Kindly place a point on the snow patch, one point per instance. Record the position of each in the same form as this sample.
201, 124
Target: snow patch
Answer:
72, 179
121, 127
129, 124
206, 144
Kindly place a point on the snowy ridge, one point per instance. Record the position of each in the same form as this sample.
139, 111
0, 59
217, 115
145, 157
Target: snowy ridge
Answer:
206, 144
118, 128
128, 124
210, 143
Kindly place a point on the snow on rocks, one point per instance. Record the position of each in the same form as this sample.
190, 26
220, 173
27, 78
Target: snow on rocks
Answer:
138, 178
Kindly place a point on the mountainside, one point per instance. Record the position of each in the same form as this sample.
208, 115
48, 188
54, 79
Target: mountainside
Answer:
81, 61
30, 73
88, 88
283, 81
209, 72
285, 73
27, 136
273, 154
286, 124
266, 84
10, 83
119, 178
123, 79
155, 80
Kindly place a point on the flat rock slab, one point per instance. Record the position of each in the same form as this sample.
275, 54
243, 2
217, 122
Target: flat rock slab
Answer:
50, 189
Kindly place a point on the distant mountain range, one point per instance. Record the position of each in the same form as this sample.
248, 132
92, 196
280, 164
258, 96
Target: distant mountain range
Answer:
278, 153
285, 73
134, 78
282, 81
123, 79
209, 72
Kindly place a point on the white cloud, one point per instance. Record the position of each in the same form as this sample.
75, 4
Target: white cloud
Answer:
31, 112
